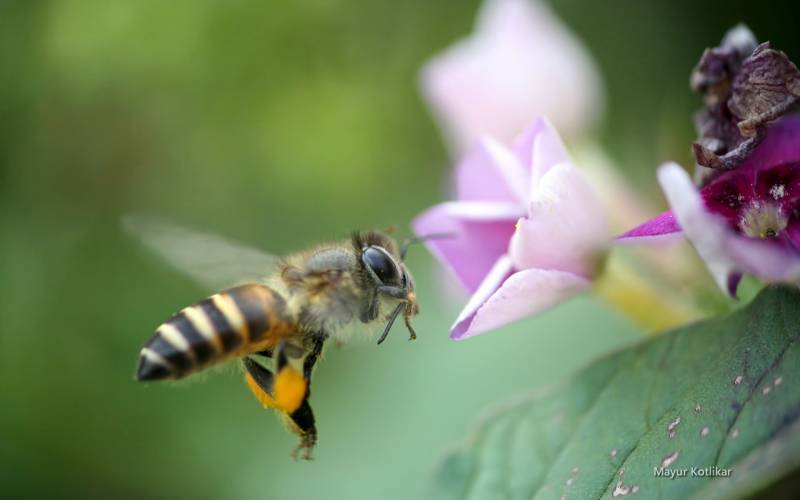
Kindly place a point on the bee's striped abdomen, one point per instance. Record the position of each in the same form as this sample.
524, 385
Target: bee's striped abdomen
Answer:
245, 319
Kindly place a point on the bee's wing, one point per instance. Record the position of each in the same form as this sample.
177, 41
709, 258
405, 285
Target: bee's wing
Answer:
209, 259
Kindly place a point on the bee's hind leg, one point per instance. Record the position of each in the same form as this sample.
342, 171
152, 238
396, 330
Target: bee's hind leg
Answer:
302, 423
285, 391
288, 391
301, 418
267, 353
260, 381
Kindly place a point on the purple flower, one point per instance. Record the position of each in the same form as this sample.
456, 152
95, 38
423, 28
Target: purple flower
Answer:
745, 221
520, 62
529, 230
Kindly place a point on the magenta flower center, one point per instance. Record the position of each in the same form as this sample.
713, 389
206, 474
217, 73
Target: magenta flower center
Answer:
763, 220
759, 203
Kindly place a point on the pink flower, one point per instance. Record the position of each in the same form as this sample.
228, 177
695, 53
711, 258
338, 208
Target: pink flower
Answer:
520, 62
743, 221
529, 230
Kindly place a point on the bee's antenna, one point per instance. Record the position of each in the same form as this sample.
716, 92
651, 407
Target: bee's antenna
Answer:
419, 239
391, 322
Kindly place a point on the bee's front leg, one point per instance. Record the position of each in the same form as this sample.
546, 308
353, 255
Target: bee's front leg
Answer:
396, 292
371, 311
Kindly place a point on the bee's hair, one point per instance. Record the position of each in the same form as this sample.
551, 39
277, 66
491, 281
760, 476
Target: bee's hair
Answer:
363, 239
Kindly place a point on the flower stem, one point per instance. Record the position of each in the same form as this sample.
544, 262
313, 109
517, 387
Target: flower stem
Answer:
642, 300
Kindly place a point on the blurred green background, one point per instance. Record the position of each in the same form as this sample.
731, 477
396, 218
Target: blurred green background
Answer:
281, 124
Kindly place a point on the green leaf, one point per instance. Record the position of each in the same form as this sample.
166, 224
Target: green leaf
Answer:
724, 393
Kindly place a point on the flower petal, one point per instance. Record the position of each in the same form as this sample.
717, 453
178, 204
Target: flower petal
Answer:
483, 210
566, 228
500, 271
728, 194
659, 229
733, 283
520, 62
490, 172
782, 145
706, 231
481, 233
792, 234
762, 258
779, 184
723, 251
506, 296
539, 148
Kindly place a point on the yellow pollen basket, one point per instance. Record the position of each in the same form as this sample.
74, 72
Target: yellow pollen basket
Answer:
289, 390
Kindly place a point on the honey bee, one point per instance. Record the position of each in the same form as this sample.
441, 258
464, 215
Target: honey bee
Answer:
274, 314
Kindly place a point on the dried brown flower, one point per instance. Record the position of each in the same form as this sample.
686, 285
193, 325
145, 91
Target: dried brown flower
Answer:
745, 87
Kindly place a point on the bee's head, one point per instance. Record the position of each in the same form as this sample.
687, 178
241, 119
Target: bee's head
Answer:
386, 274
382, 263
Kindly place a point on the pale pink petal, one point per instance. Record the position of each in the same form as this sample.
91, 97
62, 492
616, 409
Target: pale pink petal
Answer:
490, 173
706, 231
520, 62
725, 253
565, 229
539, 148
660, 229
480, 236
793, 234
492, 281
483, 210
763, 259
506, 296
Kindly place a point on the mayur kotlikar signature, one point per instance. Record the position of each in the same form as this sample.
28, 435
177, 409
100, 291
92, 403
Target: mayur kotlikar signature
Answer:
692, 472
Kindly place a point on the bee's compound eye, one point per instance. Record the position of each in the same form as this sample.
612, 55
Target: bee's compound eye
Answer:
381, 264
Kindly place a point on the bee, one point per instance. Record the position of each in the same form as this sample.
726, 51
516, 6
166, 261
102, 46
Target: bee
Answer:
273, 314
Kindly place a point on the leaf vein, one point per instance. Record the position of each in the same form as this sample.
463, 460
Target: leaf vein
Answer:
755, 386
667, 351
578, 424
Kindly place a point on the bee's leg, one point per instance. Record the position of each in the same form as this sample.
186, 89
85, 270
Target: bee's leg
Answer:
370, 312
290, 388
303, 417
291, 393
302, 422
396, 292
267, 353
281, 357
261, 382
313, 355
